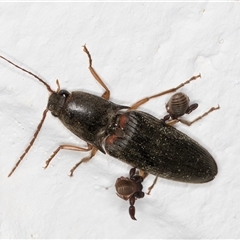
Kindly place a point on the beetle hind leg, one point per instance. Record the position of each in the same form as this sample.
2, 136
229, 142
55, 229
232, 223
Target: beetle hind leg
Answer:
200, 117
146, 99
189, 123
151, 187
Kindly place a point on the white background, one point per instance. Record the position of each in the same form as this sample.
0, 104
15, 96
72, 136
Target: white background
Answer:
138, 49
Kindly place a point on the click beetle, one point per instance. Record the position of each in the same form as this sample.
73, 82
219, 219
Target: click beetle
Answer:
132, 136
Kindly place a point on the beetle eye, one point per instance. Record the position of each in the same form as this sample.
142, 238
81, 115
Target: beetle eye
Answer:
63, 93
55, 115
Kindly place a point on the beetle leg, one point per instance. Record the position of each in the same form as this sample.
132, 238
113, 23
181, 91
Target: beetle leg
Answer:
188, 123
146, 99
198, 118
31, 142
106, 94
172, 122
86, 159
67, 147
143, 174
151, 187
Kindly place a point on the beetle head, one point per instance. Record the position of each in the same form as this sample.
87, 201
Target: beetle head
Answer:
56, 102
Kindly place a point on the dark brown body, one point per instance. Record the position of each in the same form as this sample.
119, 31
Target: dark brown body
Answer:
86, 115
154, 147
134, 137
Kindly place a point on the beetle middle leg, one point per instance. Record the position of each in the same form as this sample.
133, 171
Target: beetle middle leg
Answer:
146, 99
68, 147
84, 160
153, 184
105, 95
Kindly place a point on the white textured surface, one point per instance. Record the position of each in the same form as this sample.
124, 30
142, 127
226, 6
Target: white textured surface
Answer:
138, 49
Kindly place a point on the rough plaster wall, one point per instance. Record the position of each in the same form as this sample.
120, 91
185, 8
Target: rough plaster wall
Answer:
138, 49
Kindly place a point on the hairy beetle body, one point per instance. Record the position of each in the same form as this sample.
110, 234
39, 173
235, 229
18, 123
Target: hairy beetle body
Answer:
151, 145
134, 137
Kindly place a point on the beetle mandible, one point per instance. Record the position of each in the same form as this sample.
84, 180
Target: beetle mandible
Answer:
135, 137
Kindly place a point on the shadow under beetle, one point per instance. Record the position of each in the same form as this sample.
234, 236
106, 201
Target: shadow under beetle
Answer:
135, 137
130, 189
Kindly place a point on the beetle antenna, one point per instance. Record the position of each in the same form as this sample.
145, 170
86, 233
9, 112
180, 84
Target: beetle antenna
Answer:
31, 143
32, 74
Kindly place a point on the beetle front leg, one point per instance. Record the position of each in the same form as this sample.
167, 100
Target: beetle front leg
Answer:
67, 147
146, 99
106, 94
84, 160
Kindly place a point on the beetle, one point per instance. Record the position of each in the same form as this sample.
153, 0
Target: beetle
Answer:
130, 189
132, 136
